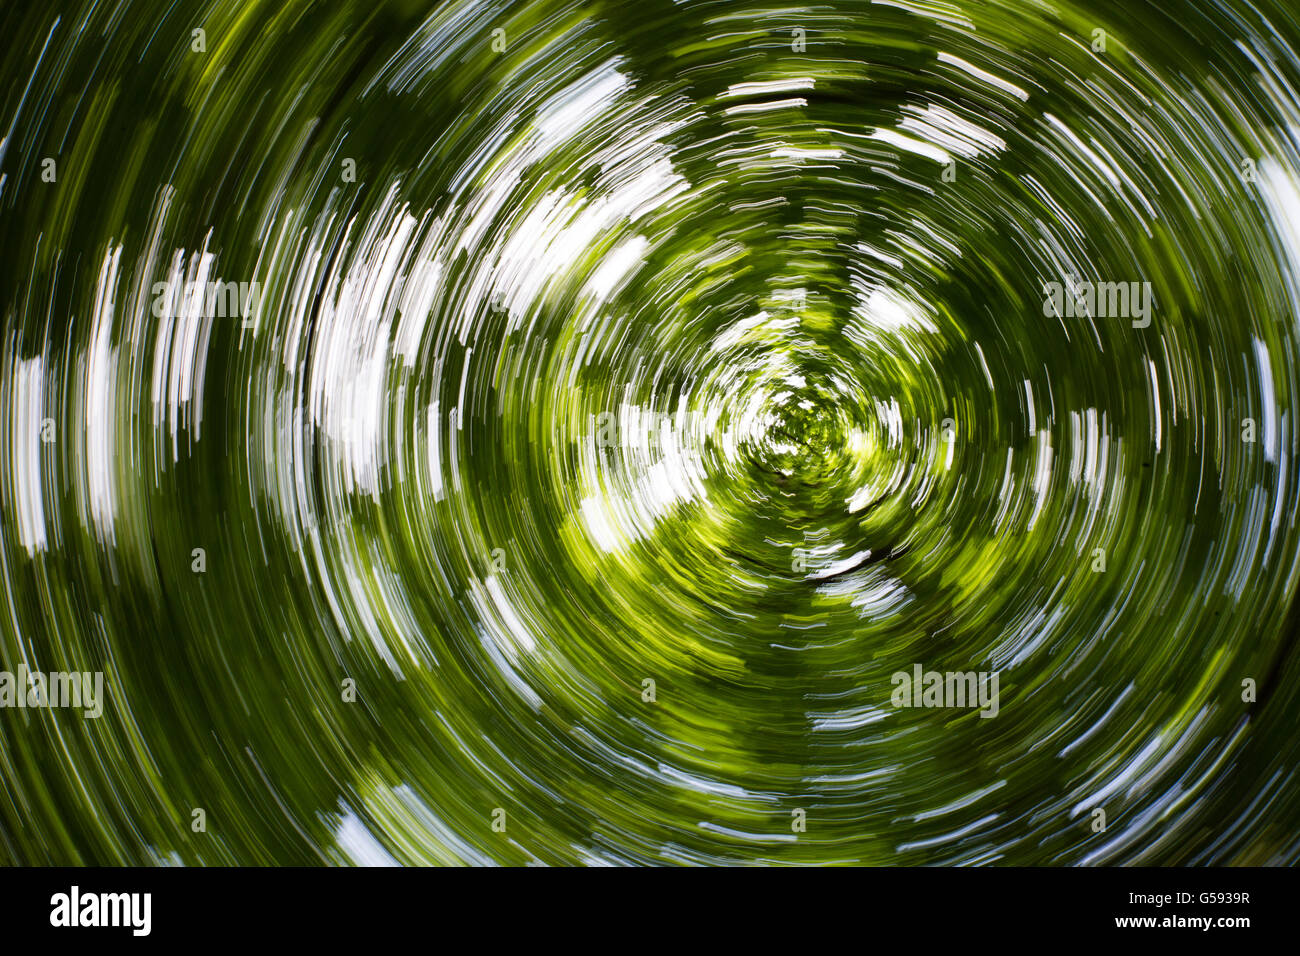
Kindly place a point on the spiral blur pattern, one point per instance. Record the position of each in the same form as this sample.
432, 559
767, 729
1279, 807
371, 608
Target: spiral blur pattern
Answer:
633, 388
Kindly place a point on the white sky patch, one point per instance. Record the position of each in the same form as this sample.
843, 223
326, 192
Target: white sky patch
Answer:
807, 153
433, 436
839, 567
658, 469
861, 498
884, 257
350, 365
891, 417
460, 396
660, 487
419, 292
357, 419
1089, 464
359, 844
505, 636
515, 637
408, 822
988, 376
523, 258
390, 618
950, 132
601, 524
764, 87
1098, 163
881, 309
487, 205
25, 453
101, 390
1043, 476
1280, 190
918, 146
618, 267
1268, 402
1155, 401
360, 574
767, 106
677, 478
1088, 455
796, 298
733, 334
181, 348
586, 99
559, 230
1005, 86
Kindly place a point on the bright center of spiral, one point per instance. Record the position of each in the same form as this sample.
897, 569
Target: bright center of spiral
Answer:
805, 439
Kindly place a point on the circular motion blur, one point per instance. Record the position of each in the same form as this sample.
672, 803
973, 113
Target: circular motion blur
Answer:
642, 432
